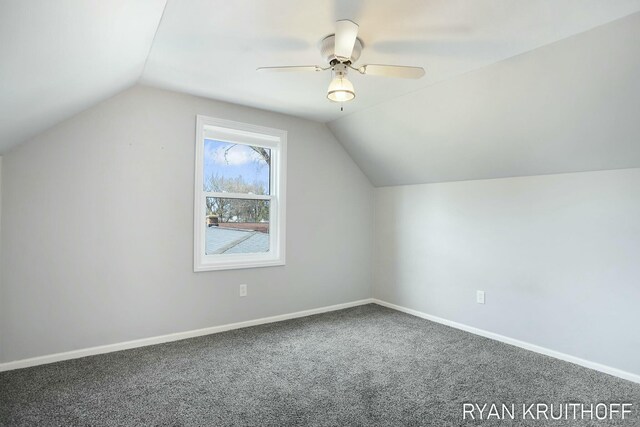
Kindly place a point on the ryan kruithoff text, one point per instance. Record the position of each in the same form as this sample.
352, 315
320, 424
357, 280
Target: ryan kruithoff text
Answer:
544, 411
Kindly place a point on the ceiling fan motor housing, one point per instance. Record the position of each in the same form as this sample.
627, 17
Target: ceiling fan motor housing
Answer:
339, 70
327, 50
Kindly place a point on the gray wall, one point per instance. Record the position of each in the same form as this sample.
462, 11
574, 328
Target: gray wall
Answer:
97, 240
98, 221
2, 304
557, 255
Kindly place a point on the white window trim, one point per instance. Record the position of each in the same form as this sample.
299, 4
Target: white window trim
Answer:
274, 139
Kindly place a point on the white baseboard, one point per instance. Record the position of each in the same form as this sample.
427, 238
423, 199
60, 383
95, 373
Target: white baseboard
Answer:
51, 358
512, 341
41, 360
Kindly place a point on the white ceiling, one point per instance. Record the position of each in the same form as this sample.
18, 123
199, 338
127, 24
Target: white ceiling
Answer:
212, 47
566, 107
58, 58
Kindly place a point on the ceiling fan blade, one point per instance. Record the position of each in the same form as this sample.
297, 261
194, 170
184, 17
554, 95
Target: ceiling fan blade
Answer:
346, 34
392, 71
291, 68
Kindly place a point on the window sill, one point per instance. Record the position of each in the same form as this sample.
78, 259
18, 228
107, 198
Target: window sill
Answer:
235, 265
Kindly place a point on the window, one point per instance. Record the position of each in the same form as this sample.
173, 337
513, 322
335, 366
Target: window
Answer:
239, 195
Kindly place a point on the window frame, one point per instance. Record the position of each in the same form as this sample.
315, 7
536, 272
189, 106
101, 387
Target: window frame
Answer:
245, 134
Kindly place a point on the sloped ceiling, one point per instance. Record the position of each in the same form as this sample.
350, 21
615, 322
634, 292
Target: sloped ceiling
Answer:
60, 57
212, 48
463, 120
570, 106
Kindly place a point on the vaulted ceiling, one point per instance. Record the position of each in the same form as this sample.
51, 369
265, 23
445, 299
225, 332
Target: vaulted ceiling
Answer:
570, 106
513, 87
212, 48
60, 57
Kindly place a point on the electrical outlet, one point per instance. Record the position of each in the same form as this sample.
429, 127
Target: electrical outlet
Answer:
480, 297
243, 290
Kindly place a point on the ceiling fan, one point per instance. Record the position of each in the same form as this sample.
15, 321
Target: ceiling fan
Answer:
342, 50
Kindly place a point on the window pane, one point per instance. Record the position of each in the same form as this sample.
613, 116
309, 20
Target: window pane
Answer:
236, 226
236, 168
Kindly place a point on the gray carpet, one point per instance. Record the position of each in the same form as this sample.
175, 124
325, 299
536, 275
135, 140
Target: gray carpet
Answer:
365, 366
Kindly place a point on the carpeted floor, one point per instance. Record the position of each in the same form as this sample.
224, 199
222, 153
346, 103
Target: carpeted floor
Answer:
364, 366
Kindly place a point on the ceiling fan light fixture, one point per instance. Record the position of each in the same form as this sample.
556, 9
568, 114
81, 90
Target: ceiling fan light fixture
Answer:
341, 89
341, 50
